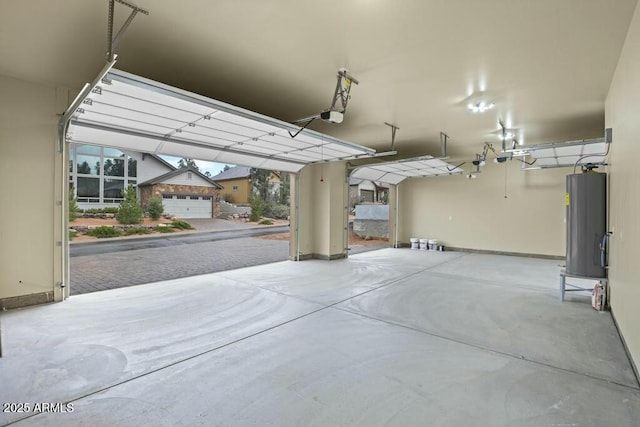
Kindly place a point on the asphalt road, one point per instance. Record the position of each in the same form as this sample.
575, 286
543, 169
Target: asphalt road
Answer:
122, 245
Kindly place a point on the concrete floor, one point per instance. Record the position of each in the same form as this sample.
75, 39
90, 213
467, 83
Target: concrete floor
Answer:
391, 337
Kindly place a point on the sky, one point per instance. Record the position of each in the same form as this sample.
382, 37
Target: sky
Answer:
211, 167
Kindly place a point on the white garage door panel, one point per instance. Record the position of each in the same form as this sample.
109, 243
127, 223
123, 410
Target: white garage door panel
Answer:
188, 208
153, 117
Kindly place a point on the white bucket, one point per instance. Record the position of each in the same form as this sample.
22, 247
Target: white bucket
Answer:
423, 244
433, 245
415, 243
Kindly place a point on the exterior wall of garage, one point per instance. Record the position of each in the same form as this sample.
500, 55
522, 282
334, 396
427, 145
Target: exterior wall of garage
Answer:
622, 112
33, 258
474, 213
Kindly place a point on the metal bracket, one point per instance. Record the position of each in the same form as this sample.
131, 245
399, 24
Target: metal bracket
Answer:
112, 40
394, 128
443, 142
343, 89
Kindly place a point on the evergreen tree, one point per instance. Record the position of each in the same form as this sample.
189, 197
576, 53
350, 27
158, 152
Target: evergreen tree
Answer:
185, 163
154, 207
260, 179
73, 206
285, 188
130, 211
256, 208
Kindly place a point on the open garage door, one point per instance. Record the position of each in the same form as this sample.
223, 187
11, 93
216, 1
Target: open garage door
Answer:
130, 112
395, 172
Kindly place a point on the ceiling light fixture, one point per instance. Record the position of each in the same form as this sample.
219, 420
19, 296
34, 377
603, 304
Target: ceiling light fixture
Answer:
480, 106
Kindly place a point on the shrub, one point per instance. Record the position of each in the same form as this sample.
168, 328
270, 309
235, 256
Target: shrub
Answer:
111, 210
165, 229
137, 230
266, 222
73, 206
182, 225
274, 210
256, 208
72, 234
130, 211
154, 207
104, 231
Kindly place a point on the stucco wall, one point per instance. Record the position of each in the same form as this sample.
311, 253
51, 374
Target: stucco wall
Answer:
148, 167
183, 179
322, 198
474, 213
32, 227
623, 115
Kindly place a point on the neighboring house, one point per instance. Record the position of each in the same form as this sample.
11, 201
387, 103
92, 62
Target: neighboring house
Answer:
186, 193
238, 184
363, 190
99, 174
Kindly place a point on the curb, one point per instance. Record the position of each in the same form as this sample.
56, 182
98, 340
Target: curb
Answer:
167, 235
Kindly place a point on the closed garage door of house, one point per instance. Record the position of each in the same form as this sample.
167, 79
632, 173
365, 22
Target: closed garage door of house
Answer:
187, 206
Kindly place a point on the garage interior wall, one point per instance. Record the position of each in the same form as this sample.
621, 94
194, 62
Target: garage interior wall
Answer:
623, 115
474, 214
322, 200
32, 258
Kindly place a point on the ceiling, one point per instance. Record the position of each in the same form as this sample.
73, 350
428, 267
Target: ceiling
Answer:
546, 64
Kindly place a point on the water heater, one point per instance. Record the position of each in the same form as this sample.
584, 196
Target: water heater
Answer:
586, 201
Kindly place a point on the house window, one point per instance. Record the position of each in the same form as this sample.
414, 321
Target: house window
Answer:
88, 165
112, 188
114, 167
189, 175
235, 188
99, 174
132, 167
167, 196
206, 197
181, 197
88, 187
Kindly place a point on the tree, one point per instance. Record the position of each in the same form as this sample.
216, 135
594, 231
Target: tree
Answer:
155, 208
226, 168
256, 208
208, 174
260, 178
285, 188
185, 163
73, 206
130, 211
